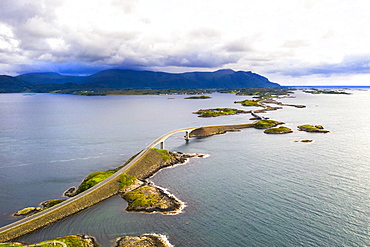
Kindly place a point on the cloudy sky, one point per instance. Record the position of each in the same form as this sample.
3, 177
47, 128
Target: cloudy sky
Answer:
292, 42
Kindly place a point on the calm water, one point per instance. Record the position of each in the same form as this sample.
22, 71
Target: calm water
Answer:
253, 190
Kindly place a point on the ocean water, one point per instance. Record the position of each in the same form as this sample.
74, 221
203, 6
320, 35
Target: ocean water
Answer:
253, 189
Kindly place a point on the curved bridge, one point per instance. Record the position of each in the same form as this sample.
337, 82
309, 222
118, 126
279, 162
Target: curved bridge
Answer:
99, 192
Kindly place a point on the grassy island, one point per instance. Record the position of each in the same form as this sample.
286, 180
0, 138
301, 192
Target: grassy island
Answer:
266, 123
151, 199
27, 211
73, 240
312, 128
93, 179
44, 205
198, 97
278, 130
218, 112
248, 102
143, 240
317, 91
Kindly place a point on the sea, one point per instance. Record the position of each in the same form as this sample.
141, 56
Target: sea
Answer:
252, 189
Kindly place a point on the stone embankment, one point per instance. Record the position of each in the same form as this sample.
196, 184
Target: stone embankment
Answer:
43, 219
148, 165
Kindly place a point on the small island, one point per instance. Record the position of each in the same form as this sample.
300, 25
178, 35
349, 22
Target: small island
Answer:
151, 199
312, 128
278, 130
266, 124
79, 240
146, 240
304, 141
198, 97
317, 91
219, 112
44, 205
249, 102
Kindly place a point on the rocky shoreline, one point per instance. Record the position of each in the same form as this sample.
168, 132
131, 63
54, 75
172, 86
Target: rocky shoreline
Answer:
43, 205
145, 240
79, 240
143, 196
152, 199
312, 128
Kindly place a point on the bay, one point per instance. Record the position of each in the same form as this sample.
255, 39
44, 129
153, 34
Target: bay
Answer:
253, 190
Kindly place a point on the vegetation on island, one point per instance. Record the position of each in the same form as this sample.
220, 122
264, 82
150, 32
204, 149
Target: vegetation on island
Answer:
146, 240
198, 97
126, 180
93, 179
328, 91
27, 211
218, 112
165, 154
73, 240
278, 130
137, 92
141, 197
312, 128
43, 206
265, 92
151, 199
248, 102
265, 124
51, 203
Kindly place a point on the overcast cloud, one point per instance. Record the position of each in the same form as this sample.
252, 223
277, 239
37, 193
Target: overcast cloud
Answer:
300, 42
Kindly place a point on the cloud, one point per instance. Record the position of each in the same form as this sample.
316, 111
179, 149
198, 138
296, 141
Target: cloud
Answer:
280, 38
355, 64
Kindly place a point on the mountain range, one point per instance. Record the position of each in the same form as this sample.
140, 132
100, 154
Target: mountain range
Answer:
114, 79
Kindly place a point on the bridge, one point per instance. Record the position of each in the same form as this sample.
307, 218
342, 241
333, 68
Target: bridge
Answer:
97, 193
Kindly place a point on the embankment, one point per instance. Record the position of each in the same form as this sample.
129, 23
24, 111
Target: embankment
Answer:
45, 218
149, 164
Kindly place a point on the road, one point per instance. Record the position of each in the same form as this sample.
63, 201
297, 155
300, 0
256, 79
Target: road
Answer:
99, 185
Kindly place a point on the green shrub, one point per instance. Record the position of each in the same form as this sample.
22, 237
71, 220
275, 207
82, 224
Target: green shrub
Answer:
278, 130
265, 123
164, 152
248, 102
93, 179
126, 180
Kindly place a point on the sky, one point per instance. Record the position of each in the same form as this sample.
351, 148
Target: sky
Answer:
291, 42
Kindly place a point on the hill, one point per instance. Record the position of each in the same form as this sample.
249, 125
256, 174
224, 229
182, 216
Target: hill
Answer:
133, 79
50, 78
9, 84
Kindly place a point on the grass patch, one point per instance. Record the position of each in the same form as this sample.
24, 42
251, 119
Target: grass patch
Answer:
74, 241
218, 112
51, 203
164, 152
312, 128
265, 124
93, 179
126, 180
141, 197
278, 130
248, 102
198, 97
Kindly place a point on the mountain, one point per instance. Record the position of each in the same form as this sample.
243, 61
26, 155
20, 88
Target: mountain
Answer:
50, 77
134, 79
9, 84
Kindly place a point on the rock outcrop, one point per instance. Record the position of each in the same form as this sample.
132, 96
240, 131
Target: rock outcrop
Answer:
146, 240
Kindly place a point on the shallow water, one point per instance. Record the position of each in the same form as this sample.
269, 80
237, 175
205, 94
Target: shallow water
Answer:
253, 190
